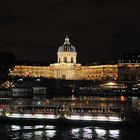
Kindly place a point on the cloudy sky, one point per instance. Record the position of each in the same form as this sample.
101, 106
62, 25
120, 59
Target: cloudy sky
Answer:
101, 30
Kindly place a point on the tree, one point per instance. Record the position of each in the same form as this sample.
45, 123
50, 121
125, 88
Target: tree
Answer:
7, 62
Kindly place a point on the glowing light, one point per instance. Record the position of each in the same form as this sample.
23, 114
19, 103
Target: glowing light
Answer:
87, 118
72, 117
28, 135
20, 79
75, 132
38, 133
39, 116
98, 118
51, 133
111, 83
122, 98
28, 127
75, 117
39, 126
100, 132
7, 114
50, 127
102, 118
14, 115
114, 133
114, 119
15, 127
27, 115
50, 116
87, 133
38, 79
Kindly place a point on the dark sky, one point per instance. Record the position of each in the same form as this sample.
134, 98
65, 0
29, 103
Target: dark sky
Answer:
99, 29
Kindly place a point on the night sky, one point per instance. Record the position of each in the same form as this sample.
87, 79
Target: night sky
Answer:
101, 30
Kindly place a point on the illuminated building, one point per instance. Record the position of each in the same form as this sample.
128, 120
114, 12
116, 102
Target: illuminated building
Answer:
32, 71
68, 68
129, 67
99, 72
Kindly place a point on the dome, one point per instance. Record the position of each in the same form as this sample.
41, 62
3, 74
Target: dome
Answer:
66, 47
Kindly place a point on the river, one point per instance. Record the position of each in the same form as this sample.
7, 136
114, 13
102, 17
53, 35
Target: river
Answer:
49, 132
63, 132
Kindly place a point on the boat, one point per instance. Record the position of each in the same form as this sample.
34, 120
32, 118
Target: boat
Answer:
68, 111
51, 115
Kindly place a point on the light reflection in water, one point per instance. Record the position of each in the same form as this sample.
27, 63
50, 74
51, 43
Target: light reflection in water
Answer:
50, 133
75, 132
100, 132
39, 126
27, 127
114, 133
15, 127
50, 127
28, 135
87, 133
38, 133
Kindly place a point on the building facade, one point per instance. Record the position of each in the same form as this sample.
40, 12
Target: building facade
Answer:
129, 67
68, 68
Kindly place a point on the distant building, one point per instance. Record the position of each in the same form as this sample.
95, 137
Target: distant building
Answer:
129, 67
68, 68
130, 58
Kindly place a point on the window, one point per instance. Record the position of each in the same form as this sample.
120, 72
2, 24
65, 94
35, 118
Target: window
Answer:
71, 59
65, 59
59, 60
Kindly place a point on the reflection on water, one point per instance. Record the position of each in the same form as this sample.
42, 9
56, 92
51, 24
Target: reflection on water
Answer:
38, 134
38, 126
87, 133
15, 127
75, 132
100, 132
28, 135
27, 127
49, 132
114, 134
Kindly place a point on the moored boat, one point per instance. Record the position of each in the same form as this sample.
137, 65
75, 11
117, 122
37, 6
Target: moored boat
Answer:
57, 115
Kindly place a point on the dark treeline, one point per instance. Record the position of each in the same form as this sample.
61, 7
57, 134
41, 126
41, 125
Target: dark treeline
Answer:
7, 62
